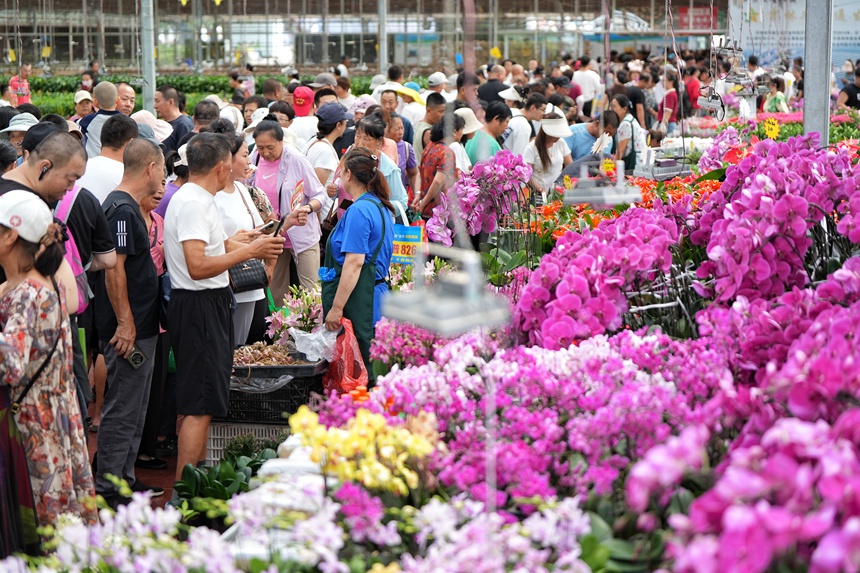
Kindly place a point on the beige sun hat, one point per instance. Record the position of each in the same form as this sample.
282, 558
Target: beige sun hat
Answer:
472, 123
160, 128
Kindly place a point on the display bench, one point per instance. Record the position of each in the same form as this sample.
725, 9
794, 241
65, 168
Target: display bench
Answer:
261, 399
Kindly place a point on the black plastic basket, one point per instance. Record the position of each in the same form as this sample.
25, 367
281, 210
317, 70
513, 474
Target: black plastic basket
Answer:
271, 407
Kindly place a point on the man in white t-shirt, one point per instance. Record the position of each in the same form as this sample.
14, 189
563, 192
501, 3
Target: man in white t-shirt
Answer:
199, 314
589, 81
521, 128
342, 89
343, 67
104, 172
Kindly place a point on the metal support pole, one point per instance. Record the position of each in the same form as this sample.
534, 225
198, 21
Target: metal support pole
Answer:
536, 41
102, 50
147, 47
325, 57
360, 32
817, 64
228, 34
494, 28
418, 35
198, 40
383, 36
84, 19
342, 33
653, 10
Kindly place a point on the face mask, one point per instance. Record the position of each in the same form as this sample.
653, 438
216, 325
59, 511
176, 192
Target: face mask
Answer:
87, 83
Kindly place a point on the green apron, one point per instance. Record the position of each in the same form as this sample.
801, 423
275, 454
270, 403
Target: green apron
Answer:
359, 307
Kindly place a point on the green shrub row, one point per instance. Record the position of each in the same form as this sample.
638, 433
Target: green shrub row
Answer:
56, 94
186, 83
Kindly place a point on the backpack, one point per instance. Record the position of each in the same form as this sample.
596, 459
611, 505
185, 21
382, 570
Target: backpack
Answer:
73, 255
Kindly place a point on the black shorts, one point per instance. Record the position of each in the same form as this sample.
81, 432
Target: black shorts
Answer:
201, 333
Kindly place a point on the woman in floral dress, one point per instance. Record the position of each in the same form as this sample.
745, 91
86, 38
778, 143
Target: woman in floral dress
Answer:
32, 316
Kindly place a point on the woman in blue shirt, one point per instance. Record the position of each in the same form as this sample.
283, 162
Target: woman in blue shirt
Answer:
359, 250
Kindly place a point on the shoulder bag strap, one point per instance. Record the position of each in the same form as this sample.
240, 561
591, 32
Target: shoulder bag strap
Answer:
241, 196
16, 404
116, 204
384, 228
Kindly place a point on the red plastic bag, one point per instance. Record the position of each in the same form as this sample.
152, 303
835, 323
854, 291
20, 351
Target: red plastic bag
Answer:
346, 371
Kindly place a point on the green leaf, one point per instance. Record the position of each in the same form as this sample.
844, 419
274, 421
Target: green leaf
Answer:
489, 261
715, 175
516, 261
613, 566
594, 554
222, 491
599, 528
680, 502
233, 488
620, 549
268, 454
658, 546
227, 473
257, 565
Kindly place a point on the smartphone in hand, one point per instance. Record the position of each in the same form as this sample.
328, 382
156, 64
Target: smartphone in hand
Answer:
268, 228
279, 226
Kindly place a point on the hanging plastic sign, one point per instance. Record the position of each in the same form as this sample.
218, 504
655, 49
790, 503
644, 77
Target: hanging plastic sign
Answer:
406, 240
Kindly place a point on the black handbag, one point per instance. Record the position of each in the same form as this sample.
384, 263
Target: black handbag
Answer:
248, 275
251, 274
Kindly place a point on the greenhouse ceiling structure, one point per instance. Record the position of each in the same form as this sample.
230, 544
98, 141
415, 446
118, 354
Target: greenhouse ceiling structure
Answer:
65, 35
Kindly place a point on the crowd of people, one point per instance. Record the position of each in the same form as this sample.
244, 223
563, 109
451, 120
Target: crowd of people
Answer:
127, 226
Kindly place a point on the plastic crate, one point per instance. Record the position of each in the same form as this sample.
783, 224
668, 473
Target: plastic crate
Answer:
271, 407
220, 433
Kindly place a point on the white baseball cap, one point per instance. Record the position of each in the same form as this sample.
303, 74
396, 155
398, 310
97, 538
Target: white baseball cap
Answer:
437, 79
81, 95
26, 213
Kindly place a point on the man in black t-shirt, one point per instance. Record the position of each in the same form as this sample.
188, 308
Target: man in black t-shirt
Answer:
166, 105
127, 318
490, 90
850, 94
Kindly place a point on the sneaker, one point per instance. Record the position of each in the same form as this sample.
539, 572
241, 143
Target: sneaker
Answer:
139, 486
150, 464
166, 448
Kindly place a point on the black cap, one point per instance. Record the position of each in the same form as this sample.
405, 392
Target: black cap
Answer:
36, 134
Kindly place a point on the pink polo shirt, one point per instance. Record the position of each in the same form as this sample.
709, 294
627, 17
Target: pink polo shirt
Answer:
266, 178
